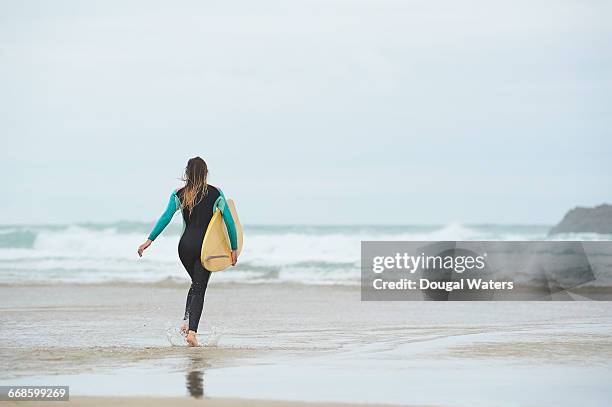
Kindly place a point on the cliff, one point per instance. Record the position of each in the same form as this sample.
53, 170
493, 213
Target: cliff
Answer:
586, 220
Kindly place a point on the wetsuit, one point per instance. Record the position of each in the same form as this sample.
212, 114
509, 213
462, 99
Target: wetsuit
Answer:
190, 244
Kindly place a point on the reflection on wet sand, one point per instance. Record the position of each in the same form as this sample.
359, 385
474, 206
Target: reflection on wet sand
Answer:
195, 376
195, 384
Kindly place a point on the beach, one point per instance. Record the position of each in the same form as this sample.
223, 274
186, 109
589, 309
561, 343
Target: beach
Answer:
297, 342
287, 324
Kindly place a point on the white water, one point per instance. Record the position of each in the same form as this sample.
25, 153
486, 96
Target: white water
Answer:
325, 255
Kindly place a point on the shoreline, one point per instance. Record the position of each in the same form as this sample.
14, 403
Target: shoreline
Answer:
173, 284
521, 292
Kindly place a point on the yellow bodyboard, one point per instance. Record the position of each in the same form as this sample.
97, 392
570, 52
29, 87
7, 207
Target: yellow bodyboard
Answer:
216, 249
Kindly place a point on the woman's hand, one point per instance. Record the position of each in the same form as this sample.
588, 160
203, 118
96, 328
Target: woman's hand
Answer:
234, 257
144, 246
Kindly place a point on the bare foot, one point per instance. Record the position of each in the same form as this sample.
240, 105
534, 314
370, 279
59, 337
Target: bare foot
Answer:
191, 339
184, 327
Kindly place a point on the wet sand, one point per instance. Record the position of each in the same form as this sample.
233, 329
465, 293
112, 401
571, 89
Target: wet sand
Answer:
303, 343
182, 401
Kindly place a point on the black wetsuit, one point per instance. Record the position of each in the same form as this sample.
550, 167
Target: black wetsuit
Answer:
190, 244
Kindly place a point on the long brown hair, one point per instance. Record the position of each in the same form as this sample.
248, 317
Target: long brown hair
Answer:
195, 176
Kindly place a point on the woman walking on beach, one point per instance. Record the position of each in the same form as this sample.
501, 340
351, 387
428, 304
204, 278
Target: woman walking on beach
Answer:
197, 201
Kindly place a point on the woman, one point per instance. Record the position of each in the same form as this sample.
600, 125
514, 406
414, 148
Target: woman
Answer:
197, 201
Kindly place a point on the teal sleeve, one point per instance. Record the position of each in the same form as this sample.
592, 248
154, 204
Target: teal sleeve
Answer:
229, 223
173, 205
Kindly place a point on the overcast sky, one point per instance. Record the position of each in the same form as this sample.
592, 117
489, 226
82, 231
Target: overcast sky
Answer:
330, 111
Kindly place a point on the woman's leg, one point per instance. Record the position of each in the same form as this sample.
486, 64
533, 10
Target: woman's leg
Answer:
199, 282
187, 261
185, 324
187, 303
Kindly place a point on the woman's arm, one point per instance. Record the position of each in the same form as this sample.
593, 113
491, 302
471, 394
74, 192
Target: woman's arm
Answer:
173, 205
229, 221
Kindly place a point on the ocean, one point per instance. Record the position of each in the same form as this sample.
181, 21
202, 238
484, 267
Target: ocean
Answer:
311, 255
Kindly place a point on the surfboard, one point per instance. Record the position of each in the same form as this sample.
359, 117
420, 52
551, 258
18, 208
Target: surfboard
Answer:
216, 249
